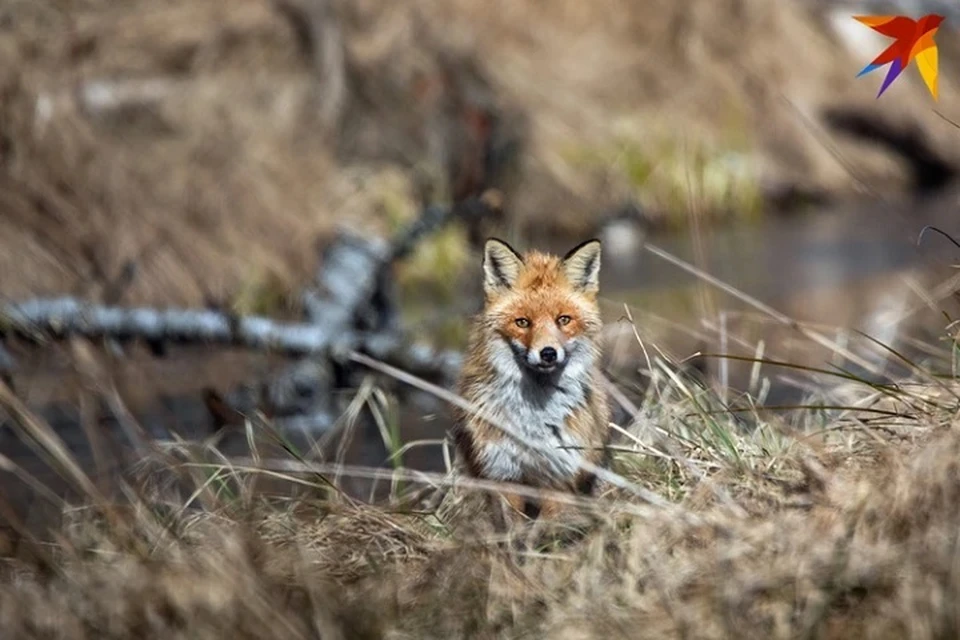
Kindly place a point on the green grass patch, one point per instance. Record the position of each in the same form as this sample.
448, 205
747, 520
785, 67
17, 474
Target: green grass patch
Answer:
674, 177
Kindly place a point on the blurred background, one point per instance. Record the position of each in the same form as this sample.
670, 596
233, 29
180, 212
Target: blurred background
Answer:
212, 148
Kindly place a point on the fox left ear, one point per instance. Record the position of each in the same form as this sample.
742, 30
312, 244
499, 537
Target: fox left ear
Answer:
581, 265
501, 266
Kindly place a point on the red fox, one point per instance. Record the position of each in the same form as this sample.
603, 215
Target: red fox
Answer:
533, 365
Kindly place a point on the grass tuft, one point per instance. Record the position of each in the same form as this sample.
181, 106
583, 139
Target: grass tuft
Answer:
788, 523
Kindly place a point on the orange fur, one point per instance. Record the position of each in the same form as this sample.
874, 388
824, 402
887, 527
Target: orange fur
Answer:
533, 302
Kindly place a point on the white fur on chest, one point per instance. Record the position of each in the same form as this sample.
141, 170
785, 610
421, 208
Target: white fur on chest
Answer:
537, 415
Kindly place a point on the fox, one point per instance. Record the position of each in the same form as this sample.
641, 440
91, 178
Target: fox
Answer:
533, 363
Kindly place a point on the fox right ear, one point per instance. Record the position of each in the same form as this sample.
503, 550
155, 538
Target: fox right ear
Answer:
501, 266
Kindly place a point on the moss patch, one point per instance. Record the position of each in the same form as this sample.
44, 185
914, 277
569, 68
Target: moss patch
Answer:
675, 177
431, 277
262, 292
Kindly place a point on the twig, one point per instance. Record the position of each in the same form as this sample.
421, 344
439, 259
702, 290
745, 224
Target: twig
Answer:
60, 318
63, 317
764, 308
930, 227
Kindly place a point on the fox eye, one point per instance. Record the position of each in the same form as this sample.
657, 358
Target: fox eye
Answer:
523, 323
563, 320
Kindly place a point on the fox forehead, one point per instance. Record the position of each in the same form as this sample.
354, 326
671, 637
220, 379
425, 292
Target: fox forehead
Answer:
541, 272
541, 296
542, 284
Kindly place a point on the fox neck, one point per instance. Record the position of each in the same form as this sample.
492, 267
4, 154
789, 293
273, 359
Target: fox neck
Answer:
556, 395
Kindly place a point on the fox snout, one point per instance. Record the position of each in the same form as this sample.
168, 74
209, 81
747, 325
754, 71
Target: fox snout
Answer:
545, 355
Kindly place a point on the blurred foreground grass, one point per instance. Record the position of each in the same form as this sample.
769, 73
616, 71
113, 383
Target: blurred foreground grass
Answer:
837, 519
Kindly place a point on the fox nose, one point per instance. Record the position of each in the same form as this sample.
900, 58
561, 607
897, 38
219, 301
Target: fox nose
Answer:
548, 355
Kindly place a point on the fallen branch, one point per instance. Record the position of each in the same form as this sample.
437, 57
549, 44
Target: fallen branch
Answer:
61, 318
353, 272
348, 277
292, 409
350, 308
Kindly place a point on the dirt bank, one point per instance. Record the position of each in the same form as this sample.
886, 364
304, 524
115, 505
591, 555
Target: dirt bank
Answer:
215, 143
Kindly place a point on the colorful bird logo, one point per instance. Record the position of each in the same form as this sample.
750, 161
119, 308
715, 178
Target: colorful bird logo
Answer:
914, 39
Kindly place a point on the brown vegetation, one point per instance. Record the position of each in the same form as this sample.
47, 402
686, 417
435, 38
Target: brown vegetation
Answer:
216, 142
196, 152
845, 532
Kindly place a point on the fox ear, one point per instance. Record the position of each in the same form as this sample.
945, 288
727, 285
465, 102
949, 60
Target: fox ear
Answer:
501, 266
581, 265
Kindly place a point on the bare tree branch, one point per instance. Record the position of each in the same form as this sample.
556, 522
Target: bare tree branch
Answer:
353, 281
346, 280
350, 308
62, 317
59, 318
349, 279
299, 397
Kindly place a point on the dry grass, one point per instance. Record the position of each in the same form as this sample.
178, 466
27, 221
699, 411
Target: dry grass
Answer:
197, 139
699, 101
212, 143
835, 523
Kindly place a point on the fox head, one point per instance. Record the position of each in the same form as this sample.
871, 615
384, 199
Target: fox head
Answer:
541, 311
